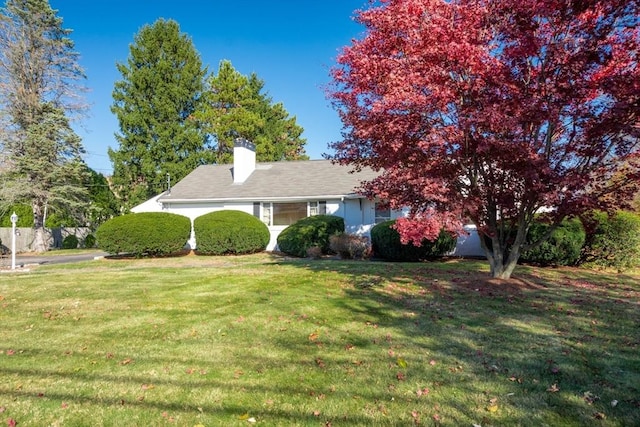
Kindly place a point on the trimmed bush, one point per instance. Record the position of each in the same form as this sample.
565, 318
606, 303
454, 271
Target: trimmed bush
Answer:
561, 248
90, 241
349, 246
230, 233
315, 230
70, 242
385, 242
151, 233
612, 241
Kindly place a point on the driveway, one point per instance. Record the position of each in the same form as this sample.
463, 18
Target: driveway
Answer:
29, 259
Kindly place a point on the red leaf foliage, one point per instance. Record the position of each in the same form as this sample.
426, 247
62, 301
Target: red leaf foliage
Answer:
490, 111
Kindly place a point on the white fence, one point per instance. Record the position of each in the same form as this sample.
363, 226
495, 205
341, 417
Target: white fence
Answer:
25, 237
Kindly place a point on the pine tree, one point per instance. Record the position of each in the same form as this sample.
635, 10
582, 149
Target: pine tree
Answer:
154, 102
236, 106
39, 90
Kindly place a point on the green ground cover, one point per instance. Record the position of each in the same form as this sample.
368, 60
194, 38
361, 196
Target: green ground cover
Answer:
261, 339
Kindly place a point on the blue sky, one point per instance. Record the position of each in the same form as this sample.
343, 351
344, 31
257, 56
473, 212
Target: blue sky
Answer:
290, 44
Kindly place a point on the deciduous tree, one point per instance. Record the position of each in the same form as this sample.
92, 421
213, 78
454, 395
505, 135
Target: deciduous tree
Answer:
236, 106
39, 90
491, 111
160, 90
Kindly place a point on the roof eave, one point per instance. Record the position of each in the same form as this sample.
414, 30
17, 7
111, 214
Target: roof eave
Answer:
263, 199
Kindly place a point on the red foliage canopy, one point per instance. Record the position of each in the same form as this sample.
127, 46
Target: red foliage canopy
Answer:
490, 110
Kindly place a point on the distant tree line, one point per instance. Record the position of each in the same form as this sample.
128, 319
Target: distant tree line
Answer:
173, 116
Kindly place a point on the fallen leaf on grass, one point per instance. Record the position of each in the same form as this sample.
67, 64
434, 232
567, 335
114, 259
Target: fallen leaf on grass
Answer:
313, 336
11, 422
126, 361
590, 397
401, 362
422, 392
554, 388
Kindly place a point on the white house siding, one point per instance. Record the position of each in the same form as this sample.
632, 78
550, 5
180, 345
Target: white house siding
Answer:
469, 245
151, 205
358, 214
351, 208
194, 210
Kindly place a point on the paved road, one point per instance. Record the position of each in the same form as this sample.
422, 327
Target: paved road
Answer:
24, 260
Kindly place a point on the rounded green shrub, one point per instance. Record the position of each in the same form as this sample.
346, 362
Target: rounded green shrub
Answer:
90, 241
311, 231
229, 233
386, 244
70, 242
151, 233
613, 241
561, 248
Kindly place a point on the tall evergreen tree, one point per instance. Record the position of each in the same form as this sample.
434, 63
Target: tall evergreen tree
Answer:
104, 204
160, 90
39, 90
236, 106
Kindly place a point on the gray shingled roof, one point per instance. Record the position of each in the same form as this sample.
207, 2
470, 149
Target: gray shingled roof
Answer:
269, 181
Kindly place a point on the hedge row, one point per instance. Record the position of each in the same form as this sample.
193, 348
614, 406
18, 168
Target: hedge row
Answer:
597, 240
162, 233
610, 241
561, 248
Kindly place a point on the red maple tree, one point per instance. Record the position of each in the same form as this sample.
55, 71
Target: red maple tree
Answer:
492, 111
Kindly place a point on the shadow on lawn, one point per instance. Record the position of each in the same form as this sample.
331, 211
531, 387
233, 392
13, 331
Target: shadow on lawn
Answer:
567, 338
138, 395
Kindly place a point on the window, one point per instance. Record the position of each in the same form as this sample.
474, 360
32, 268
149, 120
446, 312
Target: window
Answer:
313, 209
382, 213
288, 213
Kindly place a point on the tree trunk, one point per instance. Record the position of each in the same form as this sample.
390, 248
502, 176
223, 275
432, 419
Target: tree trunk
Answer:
503, 259
502, 270
501, 267
40, 241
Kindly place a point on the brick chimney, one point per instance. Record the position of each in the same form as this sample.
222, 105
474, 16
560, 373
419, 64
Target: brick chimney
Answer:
244, 160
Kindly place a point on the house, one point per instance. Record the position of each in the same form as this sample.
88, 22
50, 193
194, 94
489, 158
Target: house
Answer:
279, 193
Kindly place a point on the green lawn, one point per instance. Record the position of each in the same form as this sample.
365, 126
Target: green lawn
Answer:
224, 341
